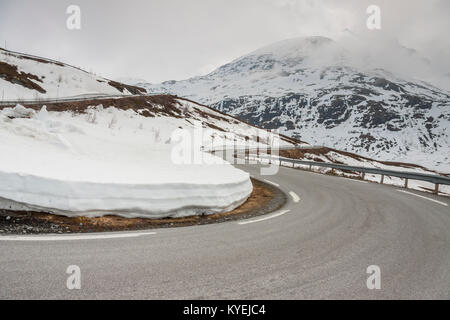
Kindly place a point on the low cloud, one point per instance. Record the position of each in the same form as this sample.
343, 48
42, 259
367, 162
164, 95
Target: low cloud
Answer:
175, 39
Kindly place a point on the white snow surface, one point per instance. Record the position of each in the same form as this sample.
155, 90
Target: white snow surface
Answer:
57, 79
108, 161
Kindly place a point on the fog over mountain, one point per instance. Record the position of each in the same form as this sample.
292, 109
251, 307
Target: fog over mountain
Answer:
161, 40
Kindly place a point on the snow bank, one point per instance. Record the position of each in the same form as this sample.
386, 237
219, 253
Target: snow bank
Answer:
108, 161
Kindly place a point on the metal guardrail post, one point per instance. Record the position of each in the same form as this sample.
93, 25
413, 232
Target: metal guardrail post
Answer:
247, 153
436, 188
224, 147
406, 183
382, 179
257, 146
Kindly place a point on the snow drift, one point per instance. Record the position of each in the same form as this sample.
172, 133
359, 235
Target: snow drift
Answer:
109, 161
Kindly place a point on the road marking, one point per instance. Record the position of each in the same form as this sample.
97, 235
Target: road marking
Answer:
356, 180
275, 184
73, 237
265, 218
418, 195
294, 196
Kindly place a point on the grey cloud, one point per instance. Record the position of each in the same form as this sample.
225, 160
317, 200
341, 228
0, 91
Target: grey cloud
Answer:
175, 39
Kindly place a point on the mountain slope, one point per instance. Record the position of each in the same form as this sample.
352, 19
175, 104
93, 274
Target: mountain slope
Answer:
28, 77
319, 91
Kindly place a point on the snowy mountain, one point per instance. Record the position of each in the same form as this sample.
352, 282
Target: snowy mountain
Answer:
24, 76
329, 93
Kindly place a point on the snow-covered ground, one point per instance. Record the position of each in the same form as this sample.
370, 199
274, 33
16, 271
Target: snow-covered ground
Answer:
110, 161
25, 77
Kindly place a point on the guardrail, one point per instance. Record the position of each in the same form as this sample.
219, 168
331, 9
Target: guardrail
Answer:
71, 99
258, 149
21, 54
407, 175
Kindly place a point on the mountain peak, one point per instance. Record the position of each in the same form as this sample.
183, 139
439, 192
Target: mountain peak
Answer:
294, 47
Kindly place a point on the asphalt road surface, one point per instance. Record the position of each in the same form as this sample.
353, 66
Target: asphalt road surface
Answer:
335, 228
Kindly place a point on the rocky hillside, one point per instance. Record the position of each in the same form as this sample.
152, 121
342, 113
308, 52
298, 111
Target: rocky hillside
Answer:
317, 90
24, 76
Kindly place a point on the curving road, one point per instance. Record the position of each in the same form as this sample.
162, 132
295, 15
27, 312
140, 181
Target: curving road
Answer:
334, 229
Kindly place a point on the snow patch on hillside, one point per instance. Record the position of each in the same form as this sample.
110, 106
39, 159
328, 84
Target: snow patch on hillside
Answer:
56, 79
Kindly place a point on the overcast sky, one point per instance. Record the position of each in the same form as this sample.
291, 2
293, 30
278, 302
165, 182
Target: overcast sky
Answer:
159, 40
